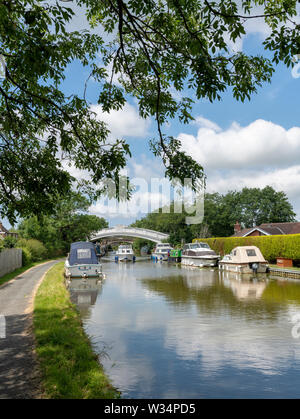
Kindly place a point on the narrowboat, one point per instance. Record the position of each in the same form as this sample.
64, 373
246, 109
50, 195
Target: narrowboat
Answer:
175, 256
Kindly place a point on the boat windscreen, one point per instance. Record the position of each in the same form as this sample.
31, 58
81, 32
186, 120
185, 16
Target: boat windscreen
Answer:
199, 246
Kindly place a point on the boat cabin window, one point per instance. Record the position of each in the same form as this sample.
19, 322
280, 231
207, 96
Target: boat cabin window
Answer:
251, 252
84, 253
199, 245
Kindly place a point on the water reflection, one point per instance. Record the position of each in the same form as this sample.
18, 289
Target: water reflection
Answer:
84, 293
245, 287
185, 333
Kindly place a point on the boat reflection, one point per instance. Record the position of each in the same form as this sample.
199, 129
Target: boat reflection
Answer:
198, 279
246, 286
84, 292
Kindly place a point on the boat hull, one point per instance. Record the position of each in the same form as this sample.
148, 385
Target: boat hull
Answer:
124, 257
200, 261
243, 268
160, 256
83, 271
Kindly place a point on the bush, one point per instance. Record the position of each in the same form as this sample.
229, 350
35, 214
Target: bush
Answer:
272, 247
36, 248
26, 256
9, 242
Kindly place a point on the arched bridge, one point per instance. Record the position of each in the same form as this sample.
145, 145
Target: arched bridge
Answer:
123, 231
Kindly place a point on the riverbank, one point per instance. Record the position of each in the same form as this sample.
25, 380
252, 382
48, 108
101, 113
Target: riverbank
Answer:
69, 366
285, 272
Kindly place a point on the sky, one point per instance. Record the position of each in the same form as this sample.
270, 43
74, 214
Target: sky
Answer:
250, 144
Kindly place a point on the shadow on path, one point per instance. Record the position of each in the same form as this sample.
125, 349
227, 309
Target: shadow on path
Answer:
17, 360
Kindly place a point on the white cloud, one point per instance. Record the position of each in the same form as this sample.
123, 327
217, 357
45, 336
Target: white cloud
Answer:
260, 144
260, 154
125, 122
146, 168
287, 180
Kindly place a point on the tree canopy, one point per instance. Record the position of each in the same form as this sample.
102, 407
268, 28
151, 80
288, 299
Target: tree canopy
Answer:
250, 206
152, 48
70, 223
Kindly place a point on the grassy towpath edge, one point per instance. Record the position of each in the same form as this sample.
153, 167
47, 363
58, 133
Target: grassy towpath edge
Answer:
69, 367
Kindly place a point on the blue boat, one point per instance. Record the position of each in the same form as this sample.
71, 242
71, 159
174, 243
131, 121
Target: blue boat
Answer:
82, 261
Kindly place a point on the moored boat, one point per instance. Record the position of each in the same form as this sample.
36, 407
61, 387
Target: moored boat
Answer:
198, 254
244, 259
125, 253
161, 251
175, 256
82, 262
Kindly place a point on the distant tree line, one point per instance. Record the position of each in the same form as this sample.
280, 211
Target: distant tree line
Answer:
250, 206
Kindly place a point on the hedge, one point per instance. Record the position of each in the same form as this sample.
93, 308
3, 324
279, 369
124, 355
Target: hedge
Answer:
37, 251
272, 247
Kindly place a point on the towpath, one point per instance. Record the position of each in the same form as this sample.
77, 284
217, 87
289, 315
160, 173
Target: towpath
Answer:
18, 367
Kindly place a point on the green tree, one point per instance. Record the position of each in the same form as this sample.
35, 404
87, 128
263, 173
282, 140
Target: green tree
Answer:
152, 48
67, 225
171, 223
251, 206
9, 242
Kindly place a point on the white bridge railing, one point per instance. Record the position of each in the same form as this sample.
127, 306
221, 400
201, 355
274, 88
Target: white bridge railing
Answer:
124, 231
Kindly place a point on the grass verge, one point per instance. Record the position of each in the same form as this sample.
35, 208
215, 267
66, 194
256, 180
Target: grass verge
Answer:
69, 367
19, 271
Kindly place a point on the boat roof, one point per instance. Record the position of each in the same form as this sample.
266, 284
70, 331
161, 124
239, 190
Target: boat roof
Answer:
82, 253
245, 254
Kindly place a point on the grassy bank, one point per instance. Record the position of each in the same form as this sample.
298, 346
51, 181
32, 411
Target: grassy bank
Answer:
70, 369
19, 271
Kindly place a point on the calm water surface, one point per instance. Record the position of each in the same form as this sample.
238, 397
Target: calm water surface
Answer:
170, 332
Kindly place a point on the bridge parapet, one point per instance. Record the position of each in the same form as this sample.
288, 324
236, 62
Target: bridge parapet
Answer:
124, 231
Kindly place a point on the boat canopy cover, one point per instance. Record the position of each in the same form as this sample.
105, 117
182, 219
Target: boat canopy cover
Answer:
82, 253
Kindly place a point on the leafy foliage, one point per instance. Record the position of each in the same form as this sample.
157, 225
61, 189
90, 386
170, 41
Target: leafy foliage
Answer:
251, 206
67, 225
153, 47
26, 256
9, 242
35, 247
40, 126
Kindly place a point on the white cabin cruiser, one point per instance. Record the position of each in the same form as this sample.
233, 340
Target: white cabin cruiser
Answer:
82, 262
198, 254
125, 253
161, 251
244, 259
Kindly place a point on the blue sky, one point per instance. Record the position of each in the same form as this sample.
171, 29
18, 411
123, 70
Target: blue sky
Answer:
251, 144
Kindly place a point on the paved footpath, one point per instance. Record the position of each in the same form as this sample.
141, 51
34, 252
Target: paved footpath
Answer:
18, 369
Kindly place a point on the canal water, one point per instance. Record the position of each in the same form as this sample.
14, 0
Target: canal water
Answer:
165, 331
